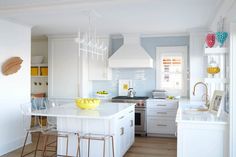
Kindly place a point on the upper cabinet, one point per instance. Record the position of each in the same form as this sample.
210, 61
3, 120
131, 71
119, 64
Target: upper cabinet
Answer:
69, 71
63, 62
98, 65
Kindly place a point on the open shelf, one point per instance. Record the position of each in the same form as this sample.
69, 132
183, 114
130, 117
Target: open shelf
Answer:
39, 70
39, 65
215, 80
216, 51
39, 76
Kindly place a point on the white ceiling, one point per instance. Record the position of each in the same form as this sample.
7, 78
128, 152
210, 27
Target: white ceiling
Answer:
50, 17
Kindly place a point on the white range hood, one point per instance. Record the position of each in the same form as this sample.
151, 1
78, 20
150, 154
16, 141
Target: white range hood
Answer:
131, 54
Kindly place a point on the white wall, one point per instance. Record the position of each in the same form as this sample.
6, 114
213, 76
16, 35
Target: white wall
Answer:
228, 11
14, 89
197, 62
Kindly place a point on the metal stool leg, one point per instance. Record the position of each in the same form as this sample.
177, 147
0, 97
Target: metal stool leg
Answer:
78, 148
104, 147
113, 149
45, 145
103, 139
88, 147
24, 144
67, 141
39, 134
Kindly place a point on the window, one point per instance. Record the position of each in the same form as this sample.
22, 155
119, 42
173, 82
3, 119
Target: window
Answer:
171, 70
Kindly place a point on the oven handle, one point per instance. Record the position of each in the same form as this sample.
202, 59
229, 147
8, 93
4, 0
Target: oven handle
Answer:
140, 109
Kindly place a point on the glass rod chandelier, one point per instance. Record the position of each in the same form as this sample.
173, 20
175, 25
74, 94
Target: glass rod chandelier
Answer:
89, 43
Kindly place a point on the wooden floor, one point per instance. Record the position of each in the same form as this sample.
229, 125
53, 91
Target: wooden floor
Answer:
143, 147
153, 147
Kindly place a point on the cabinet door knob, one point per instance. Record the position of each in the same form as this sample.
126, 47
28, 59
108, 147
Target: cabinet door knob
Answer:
161, 125
121, 117
161, 112
122, 130
131, 123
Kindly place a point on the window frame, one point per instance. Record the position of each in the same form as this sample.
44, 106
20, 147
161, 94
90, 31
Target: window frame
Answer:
172, 51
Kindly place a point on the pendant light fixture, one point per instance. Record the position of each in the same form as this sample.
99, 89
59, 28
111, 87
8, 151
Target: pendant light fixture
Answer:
88, 41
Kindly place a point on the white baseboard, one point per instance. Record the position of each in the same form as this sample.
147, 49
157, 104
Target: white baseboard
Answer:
161, 135
13, 145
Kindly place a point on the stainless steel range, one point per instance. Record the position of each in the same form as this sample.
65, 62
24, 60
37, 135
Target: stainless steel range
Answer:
140, 111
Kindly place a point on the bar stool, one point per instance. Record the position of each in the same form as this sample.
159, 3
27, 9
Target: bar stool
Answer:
30, 126
59, 134
51, 130
99, 137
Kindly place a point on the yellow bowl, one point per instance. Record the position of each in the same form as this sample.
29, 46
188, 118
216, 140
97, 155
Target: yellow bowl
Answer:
87, 103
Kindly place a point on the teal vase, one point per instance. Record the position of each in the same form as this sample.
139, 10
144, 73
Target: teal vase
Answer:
221, 37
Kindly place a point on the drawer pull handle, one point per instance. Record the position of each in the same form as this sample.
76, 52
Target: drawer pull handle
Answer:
122, 130
161, 125
161, 105
121, 117
161, 112
131, 123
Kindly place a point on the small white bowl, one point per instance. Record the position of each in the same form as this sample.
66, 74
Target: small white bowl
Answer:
37, 59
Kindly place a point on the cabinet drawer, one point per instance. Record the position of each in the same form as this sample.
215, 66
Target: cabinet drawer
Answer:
160, 126
161, 112
163, 105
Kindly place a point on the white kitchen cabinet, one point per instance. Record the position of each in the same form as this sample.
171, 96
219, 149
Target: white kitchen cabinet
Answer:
107, 119
98, 65
131, 129
125, 132
202, 140
161, 116
120, 134
201, 133
63, 62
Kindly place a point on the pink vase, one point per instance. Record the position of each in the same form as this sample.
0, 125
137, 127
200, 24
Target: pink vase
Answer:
210, 39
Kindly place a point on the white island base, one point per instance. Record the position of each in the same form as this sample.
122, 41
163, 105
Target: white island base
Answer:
201, 133
108, 119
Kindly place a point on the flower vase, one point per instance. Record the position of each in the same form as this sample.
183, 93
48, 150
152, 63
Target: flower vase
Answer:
221, 37
210, 40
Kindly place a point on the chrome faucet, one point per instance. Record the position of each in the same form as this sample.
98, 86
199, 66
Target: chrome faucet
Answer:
205, 85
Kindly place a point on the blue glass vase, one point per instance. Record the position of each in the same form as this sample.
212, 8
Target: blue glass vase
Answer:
221, 37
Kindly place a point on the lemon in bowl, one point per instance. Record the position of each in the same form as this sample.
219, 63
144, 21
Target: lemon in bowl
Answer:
87, 103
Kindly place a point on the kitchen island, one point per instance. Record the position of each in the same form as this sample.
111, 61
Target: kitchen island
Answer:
200, 133
115, 119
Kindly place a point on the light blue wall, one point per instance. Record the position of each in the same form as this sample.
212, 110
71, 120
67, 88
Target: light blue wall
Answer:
144, 80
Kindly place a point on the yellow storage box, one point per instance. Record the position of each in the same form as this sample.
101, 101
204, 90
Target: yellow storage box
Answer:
44, 71
34, 71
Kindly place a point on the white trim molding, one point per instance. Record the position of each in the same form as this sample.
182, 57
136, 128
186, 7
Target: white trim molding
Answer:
172, 51
232, 101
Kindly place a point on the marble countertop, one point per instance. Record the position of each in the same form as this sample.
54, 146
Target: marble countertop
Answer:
171, 100
188, 112
103, 111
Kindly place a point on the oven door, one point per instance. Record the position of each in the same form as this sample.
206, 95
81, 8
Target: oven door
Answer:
140, 120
